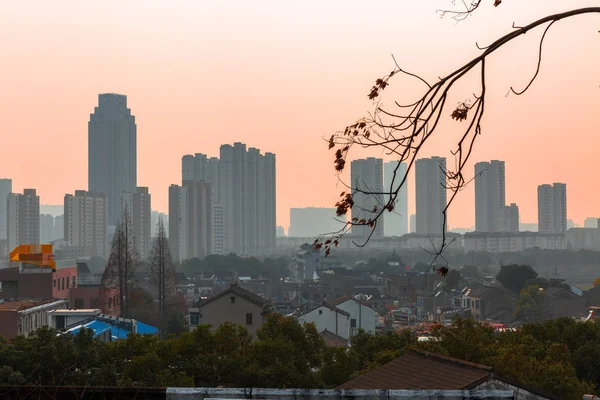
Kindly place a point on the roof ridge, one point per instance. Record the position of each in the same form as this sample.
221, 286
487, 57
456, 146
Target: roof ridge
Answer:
451, 359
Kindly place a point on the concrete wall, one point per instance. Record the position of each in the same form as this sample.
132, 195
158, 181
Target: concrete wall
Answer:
365, 317
325, 318
221, 310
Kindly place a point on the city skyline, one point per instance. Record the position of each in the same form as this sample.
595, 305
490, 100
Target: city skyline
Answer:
165, 82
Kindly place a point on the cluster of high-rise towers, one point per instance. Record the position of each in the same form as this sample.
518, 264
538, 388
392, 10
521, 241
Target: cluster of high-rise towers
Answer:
223, 205
372, 180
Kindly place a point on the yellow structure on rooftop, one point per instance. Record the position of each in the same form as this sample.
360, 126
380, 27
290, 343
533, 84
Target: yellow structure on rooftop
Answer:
34, 254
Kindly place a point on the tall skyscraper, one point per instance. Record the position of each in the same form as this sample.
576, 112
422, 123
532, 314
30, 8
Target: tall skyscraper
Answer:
490, 195
413, 223
154, 216
23, 218
112, 154
178, 226
552, 208
218, 224
5, 190
367, 175
247, 192
59, 226
46, 228
139, 209
395, 222
311, 222
430, 182
85, 221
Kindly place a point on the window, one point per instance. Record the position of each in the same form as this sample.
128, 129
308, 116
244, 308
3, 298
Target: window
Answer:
477, 304
60, 322
63, 283
353, 323
79, 303
110, 302
248, 318
232, 299
194, 319
54, 283
94, 302
320, 312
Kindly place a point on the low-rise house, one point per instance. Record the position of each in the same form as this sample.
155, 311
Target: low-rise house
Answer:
24, 316
362, 316
494, 303
428, 371
106, 328
328, 317
562, 302
235, 305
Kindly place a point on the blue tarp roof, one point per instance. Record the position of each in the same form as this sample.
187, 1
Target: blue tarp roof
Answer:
100, 327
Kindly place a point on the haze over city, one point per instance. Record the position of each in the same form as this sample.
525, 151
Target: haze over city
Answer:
280, 77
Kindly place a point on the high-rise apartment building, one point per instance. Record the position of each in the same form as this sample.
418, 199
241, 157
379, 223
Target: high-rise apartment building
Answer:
490, 195
367, 176
413, 223
430, 182
112, 154
154, 217
218, 224
311, 222
5, 190
247, 192
47, 233
86, 221
139, 208
200, 167
395, 222
552, 208
23, 218
59, 226
178, 226
508, 218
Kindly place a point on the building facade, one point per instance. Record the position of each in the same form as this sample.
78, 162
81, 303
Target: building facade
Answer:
366, 175
5, 190
23, 317
430, 180
139, 208
508, 218
313, 221
23, 218
490, 195
86, 221
396, 222
112, 151
552, 208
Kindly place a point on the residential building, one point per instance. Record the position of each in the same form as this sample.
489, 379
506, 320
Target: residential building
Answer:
112, 151
34, 282
23, 218
362, 316
591, 223
490, 195
396, 222
89, 293
499, 242
492, 303
552, 208
5, 190
279, 231
200, 167
366, 180
508, 218
310, 222
178, 226
85, 223
24, 316
218, 225
46, 228
247, 188
583, 238
430, 180
154, 217
430, 371
413, 223
234, 305
563, 303
139, 209
327, 317
59, 227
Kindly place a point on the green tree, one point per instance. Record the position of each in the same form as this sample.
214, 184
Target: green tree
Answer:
453, 279
513, 277
531, 306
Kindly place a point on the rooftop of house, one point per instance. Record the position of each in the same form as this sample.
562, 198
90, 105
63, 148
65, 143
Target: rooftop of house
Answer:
333, 340
237, 290
24, 304
77, 311
326, 305
422, 370
344, 299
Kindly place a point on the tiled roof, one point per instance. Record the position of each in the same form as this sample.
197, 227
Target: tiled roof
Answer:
235, 289
333, 340
329, 306
422, 370
344, 299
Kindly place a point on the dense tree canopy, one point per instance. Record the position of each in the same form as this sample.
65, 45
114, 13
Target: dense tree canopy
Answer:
230, 266
513, 276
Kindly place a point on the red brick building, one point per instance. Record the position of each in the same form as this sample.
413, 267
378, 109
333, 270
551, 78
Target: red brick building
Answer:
35, 282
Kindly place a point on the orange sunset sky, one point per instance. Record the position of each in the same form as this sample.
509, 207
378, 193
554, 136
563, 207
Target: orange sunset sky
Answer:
281, 75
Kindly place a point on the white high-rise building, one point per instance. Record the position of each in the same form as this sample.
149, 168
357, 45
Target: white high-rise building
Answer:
139, 209
395, 222
178, 228
552, 208
23, 218
218, 227
112, 154
86, 221
154, 216
5, 190
490, 195
366, 175
430, 182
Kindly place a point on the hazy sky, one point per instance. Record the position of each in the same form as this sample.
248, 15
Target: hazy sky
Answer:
280, 75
